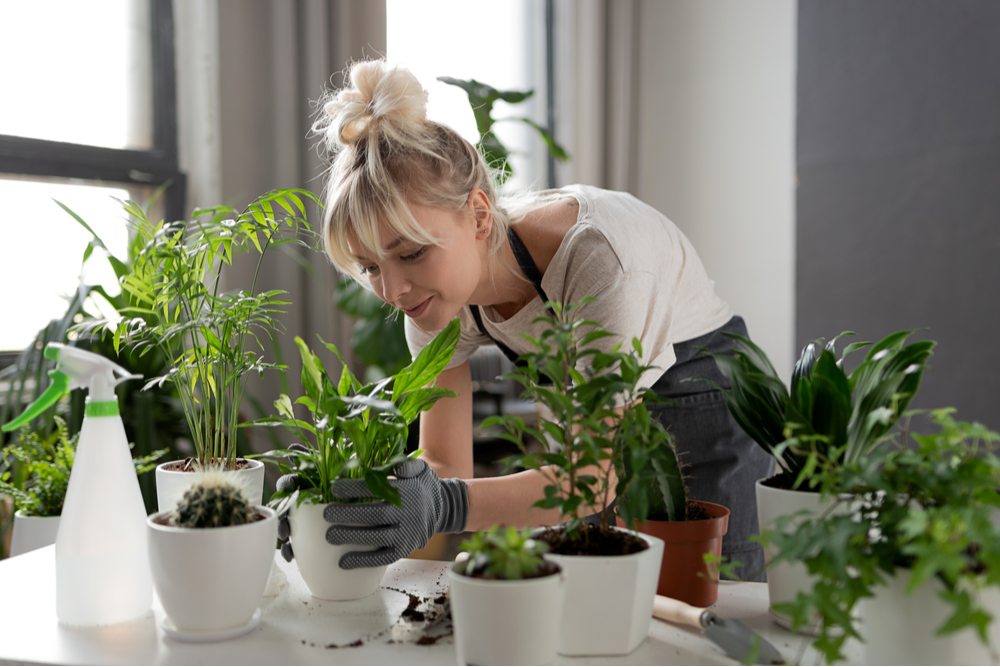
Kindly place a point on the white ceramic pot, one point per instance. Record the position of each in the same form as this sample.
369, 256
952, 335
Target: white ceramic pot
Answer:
171, 485
785, 580
212, 579
506, 622
32, 532
609, 600
318, 560
900, 629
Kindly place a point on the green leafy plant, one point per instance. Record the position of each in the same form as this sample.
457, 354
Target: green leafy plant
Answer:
925, 507
355, 431
212, 502
208, 338
38, 467
598, 425
826, 410
503, 553
482, 97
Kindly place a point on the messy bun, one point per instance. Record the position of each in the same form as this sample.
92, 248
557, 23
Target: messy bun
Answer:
386, 154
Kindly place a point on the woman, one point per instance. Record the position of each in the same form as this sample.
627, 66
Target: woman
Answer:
411, 211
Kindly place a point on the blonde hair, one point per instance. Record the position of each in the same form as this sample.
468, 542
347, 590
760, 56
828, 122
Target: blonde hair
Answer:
387, 154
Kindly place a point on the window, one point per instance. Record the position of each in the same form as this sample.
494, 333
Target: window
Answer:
89, 114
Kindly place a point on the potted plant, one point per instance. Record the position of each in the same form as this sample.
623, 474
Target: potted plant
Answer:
506, 600
36, 477
355, 432
606, 567
913, 568
826, 413
211, 559
207, 336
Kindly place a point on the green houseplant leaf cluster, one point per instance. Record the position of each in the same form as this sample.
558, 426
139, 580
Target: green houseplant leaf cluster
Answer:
503, 553
600, 422
925, 506
355, 431
38, 467
825, 409
176, 309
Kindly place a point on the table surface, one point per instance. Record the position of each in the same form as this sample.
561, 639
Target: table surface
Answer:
296, 628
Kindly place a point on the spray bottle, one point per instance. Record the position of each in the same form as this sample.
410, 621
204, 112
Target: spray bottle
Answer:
102, 562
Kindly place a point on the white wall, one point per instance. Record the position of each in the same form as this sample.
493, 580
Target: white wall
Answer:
716, 148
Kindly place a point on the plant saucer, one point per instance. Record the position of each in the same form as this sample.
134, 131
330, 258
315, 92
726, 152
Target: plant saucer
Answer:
196, 636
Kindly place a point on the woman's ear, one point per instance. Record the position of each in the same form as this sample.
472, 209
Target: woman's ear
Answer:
482, 212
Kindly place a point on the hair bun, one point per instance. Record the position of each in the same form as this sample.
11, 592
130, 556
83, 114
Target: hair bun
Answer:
378, 98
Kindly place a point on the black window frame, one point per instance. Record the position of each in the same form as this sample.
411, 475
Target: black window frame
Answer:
157, 166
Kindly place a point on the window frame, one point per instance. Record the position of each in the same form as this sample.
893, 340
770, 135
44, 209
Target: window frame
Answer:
156, 167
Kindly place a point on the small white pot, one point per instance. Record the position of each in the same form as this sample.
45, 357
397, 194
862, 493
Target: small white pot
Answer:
32, 532
171, 484
900, 629
506, 622
318, 560
212, 579
785, 580
609, 600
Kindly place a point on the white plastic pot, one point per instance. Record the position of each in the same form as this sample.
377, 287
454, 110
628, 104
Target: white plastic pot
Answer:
506, 622
785, 580
900, 629
212, 579
318, 560
32, 532
609, 600
171, 484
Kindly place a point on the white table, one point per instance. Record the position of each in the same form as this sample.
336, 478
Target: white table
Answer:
299, 629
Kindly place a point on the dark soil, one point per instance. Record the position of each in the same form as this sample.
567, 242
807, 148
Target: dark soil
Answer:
782, 482
187, 465
164, 520
588, 540
545, 570
696, 512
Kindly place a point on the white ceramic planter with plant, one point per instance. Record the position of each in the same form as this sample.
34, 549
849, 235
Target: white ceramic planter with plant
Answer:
356, 432
211, 560
507, 600
32, 532
171, 484
825, 411
207, 337
611, 573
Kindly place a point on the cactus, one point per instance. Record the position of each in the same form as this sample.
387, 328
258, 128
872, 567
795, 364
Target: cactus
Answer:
213, 502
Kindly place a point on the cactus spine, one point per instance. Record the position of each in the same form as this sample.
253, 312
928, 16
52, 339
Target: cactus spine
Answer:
212, 503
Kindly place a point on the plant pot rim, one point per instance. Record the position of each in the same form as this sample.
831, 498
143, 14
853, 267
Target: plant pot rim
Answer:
504, 583
715, 511
21, 515
269, 515
648, 539
761, 482
254, 463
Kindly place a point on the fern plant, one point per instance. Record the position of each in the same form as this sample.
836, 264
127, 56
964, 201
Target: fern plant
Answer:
826, 410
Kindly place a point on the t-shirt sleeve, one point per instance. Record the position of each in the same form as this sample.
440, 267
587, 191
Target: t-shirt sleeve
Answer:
470, 338
631, 306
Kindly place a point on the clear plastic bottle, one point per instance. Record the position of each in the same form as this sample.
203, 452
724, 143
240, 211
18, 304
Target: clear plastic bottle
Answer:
102, 560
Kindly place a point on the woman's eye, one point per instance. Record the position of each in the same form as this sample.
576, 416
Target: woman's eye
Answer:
367, 270
410, 258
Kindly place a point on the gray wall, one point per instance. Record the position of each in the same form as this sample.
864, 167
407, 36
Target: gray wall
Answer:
898, 203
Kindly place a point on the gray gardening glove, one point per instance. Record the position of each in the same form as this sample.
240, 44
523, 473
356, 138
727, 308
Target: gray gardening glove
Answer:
430, 505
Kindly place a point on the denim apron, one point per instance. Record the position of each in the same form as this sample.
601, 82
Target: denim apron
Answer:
719, 461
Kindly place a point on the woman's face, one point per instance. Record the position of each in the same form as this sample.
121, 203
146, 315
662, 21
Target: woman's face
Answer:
429, 283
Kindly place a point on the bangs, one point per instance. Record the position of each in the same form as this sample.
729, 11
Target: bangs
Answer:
365, 212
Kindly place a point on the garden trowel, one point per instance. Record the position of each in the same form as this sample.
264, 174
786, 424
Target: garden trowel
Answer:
736, 639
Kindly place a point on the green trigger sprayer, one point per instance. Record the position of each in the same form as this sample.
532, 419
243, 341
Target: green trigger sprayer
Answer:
102, 563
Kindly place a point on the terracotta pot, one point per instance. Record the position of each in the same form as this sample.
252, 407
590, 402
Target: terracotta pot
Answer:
684, 575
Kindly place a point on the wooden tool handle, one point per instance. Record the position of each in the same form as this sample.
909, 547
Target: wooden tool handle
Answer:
675, 611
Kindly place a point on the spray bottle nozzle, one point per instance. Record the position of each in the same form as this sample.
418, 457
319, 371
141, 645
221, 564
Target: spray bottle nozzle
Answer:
75, 368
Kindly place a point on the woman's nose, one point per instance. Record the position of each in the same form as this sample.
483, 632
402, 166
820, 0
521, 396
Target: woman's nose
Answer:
395, 285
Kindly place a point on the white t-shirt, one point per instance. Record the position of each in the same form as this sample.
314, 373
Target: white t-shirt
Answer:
645, 275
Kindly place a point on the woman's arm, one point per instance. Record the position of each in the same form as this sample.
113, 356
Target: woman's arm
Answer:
446, 429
